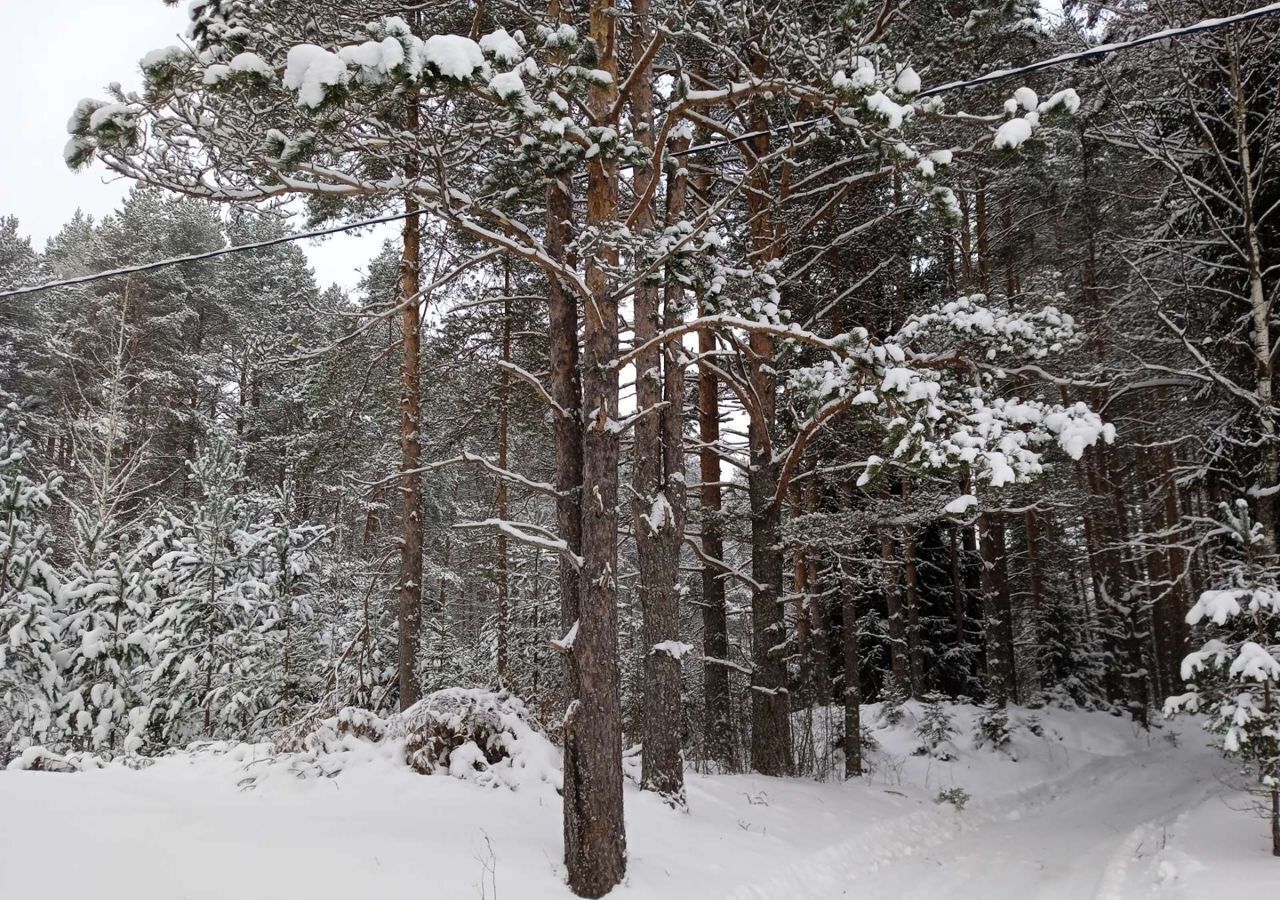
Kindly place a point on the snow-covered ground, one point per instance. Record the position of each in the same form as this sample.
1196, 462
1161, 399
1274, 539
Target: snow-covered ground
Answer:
1091, 809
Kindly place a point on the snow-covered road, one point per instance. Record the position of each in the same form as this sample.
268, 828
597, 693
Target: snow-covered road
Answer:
1094, 834
1094, 839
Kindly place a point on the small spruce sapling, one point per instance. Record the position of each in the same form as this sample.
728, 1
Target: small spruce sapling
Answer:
108, 650
991, 731
891, 703
935, 729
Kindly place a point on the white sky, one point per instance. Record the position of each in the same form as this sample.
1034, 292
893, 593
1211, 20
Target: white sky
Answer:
57, 51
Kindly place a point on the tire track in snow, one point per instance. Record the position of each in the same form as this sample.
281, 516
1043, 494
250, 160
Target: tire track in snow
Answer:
830, 871
1116, 882
1089, 795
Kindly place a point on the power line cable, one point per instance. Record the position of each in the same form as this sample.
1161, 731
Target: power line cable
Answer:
208, 254
1001, 74
987, 78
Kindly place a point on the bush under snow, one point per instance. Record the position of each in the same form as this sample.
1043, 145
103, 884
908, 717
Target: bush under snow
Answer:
488, 737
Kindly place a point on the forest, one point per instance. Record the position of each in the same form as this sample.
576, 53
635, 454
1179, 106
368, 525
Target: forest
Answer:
744, 379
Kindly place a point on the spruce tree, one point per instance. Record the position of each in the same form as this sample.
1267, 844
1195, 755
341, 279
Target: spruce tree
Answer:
1234, 678
31, 652
211, 624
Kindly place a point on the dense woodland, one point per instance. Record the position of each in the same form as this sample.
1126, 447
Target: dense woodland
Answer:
724, 377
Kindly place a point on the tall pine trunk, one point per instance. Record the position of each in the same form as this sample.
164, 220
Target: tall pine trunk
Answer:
410, 587
594, 836
770, 704
657, 480
715, 628
501, 502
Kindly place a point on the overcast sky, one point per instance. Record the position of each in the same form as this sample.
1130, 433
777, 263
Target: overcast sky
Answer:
57, 51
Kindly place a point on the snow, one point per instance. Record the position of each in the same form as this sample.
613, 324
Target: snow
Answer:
376, 59
164, 56
1217, 606
563, 37
892, 112
1255, 663
452, 55
863, 76
312, 71
660, 514
1012, 134
502, 47
908, 82
1026, 98
1093, 809
1211, 849
215, 74
674, 649
251, 64
566, 643
1066, 100
961, 505
118, 114
507, 84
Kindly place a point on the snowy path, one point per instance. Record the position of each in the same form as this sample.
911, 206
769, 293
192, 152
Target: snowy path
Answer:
1089, 836
1084, 844
1092, 810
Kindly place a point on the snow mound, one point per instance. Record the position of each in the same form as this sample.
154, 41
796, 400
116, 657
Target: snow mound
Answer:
482, 736
38, 759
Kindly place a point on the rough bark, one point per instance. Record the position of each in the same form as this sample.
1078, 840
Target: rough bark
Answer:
565, 387
410, 585
852, 659
594, 835
715, 628
899, 664
657, 483
501, 503
996, 611
1259, 305
770, 705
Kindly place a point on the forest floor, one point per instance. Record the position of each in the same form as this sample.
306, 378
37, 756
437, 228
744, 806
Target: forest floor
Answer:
1092, 808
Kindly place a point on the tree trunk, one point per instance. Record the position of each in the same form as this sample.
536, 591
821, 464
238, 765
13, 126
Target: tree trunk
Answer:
594, 835
899, 664
770, 705
996, 611
816, 609
1259, 307
852, 693
503, 508
410, 588
911, 594
801, 593
565, 387
657, 482
715, 629
1035, 576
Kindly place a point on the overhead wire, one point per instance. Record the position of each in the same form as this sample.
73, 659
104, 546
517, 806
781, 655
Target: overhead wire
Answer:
950, 86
